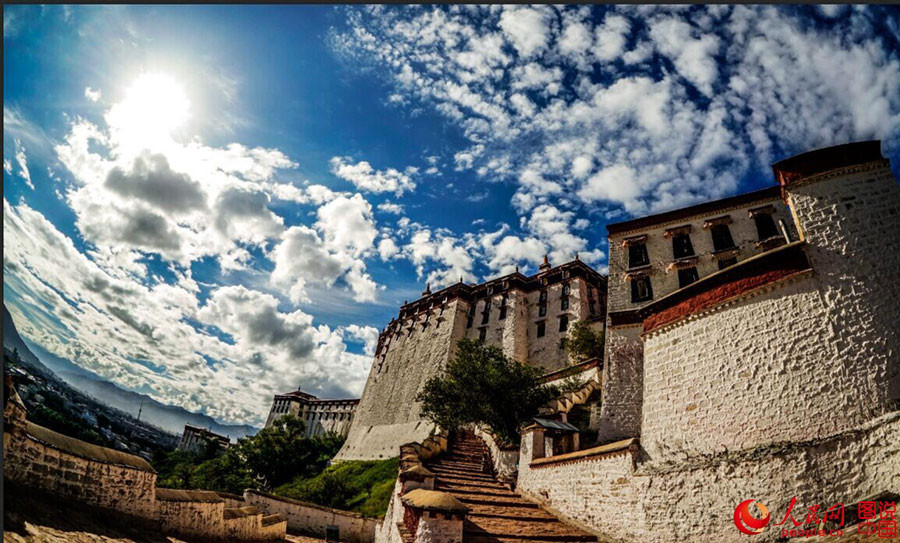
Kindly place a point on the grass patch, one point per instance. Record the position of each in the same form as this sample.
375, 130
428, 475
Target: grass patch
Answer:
361, 486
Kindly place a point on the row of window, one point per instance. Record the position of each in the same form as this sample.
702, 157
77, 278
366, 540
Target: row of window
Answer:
541, 328
642, 289
721, 238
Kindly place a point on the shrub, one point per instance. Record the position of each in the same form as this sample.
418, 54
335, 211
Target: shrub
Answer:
483, 386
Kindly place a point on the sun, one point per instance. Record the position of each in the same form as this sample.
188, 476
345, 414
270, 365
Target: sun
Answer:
154, 105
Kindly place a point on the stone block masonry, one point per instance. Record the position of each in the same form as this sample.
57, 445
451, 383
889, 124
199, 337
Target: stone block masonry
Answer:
621, 497
527, 317
35, 457
312, 519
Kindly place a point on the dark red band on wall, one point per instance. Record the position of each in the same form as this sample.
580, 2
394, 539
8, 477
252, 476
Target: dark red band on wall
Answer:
715, 289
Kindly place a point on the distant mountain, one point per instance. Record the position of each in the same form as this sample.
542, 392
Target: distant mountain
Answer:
168, 417
13, 341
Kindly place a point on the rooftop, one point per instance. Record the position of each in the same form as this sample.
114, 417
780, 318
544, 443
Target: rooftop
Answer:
826, 159
546, 275
706, 208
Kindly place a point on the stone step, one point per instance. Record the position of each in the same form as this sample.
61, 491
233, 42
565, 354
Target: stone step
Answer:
480, 538
519, 510
474, 483
496, 514
496, 501
459, 491
524, 530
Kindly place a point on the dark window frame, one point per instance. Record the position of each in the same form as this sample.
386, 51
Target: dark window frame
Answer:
638, 255
563, 323
541, 329
687, 276
765, 226
636, 296
682, 247
721, 237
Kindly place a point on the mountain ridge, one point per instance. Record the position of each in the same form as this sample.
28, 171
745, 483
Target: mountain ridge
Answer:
168, 417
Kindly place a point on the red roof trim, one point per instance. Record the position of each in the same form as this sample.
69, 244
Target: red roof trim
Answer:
769, 267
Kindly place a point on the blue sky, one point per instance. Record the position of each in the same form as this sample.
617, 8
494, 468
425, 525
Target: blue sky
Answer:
213, 204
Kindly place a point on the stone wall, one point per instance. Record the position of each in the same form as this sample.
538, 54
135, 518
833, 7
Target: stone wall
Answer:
619, 415
850, 219
659, 248
36, 457
762, 369
505, 459
388, 415
808, 356
120, 487
622, 498
312, 519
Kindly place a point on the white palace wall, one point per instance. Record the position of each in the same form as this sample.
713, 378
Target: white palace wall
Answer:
787, 388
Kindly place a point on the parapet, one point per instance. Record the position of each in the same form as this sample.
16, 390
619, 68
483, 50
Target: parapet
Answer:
797, 167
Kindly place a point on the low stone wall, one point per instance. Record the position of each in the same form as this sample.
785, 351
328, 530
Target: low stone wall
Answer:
404, 522
125, 488
36, 457
198, 514
624, 496
312, 519
504, 459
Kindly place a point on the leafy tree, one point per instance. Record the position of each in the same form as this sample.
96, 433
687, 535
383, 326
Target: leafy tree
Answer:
481, 385
583, 343
225, 473
281, 452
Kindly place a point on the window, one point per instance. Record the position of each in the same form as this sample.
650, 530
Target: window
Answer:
641, 290
687, 276
543, 296
540, 329
486, 314
542, 310
727, 262
468, 322
563, 323
681, 246
721, 237
482, 334
637, 255
564, 303
765, 226
566, 289
503, 308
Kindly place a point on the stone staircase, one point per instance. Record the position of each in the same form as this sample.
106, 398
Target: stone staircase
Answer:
496, 514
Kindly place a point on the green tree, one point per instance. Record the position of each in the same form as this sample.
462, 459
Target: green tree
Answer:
584, 343
481, 385
281, 452
226, 473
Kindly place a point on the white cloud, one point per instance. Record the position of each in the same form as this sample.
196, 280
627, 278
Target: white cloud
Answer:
91, 94
387, 249
693, 57
365, 177
527, 28
108, 321
392, 208
22, 162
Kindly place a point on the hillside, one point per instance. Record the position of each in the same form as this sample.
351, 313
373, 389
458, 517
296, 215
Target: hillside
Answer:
167, 417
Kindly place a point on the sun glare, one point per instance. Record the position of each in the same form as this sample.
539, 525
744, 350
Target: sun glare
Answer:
154, 104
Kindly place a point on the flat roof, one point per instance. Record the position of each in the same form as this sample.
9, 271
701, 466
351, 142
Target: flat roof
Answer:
706, 208
826, 159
